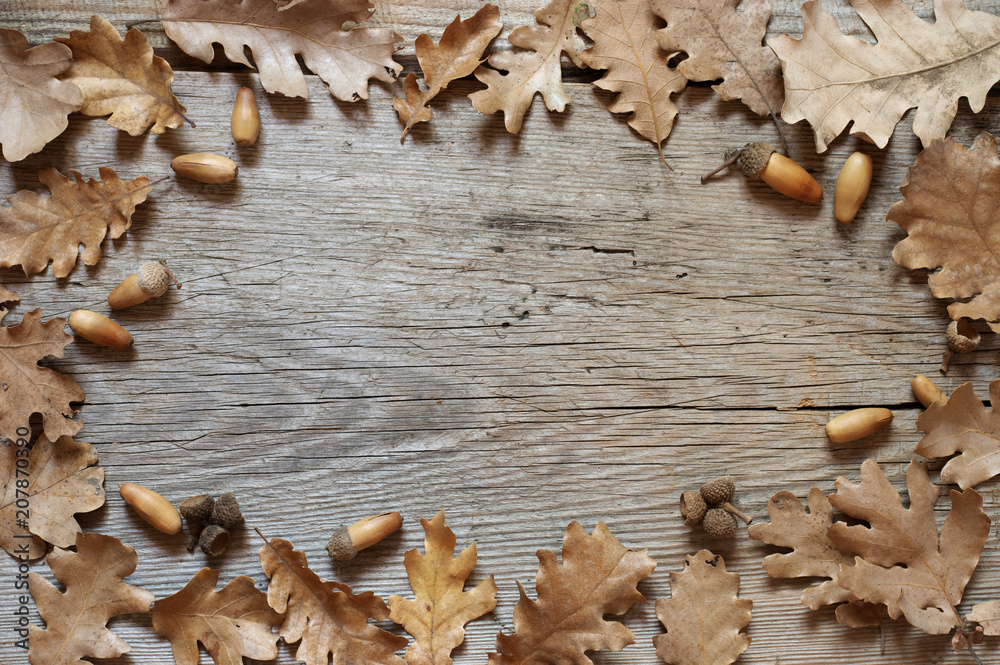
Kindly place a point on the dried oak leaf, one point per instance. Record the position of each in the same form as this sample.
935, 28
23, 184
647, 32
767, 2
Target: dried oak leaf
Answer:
813, 554
832, 79
624, 35
536, 69
903, 563
722, 43
950, 213
231, 623
455, 56
344, 59
76, 621
60, 479
123, 78
36, 104
32, 389
703, 594
437, 617
7, 296
598, 576
43, 228
331, 621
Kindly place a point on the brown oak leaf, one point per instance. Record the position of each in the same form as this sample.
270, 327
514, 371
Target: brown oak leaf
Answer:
703, 594
76, 620
57, 479
456, 55
123, 78
38, 228
598, 577
329, 619
344, 59
36, 104
230, 624
30, 388
722, 43
832, 79
904, 563
7, 296
624, 35
537, 69
813, 554
951, 214
437, 617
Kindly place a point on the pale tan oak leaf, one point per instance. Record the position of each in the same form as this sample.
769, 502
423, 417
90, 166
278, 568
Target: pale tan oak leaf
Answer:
122, 78
832, 79
76, 620
344, 59
230, 624
34, 104
330, 620
722, 43
535, 69
39, 229
458, 54
598, 577
437, 616
7, 296
904, 563
951, 215
624, 34
56, 480
703, 616
27, 388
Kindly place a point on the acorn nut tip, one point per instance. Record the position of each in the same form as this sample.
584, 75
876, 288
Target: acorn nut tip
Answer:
927, 391
152, 507
99, 329
347, 541
857, 424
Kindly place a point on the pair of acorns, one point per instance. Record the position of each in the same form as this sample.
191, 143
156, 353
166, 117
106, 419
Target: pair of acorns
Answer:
211, 521
710, 507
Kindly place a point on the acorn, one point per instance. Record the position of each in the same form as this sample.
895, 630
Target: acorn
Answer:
718, 492
226, 512
213, 540
197, 509
245, 123
761, 160
152, 507
205, 167
962, 337
927, 391
857, 424
693, 508
151, 280
99, 329
719, 523
347, 541
852, 187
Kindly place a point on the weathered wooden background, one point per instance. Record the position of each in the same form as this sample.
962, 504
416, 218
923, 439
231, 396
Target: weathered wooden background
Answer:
520, 330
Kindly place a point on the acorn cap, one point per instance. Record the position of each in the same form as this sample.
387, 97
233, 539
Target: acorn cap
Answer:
962, 336
197, 509
154, 279
719, 490
693, 507
340, 547
213, 540
719, 523
754, 157
226, 512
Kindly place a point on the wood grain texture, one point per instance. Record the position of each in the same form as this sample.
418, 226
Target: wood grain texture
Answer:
521, 330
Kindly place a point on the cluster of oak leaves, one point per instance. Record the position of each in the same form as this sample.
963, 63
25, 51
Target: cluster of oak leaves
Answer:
895, 564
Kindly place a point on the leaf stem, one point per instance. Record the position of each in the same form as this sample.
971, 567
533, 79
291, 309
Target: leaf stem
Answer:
972, 651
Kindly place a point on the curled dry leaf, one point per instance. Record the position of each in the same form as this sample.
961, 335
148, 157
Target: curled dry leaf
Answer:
327, 617
231, 623
951, 214
722, 43
598, 577
43, 228
123, 78
76, 620
437, 617
536, 69
703, 594
832, 79
625, 45
26, 388
455, 56
813, 554
904, 563
344, 59
36, 104
62, 478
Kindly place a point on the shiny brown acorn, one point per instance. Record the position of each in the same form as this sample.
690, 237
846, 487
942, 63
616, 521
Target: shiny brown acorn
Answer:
852, 187
99, 329
927, 391
152, 507
151, 280
205, 167
760, 160
857, 424
245, 122
347, 541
